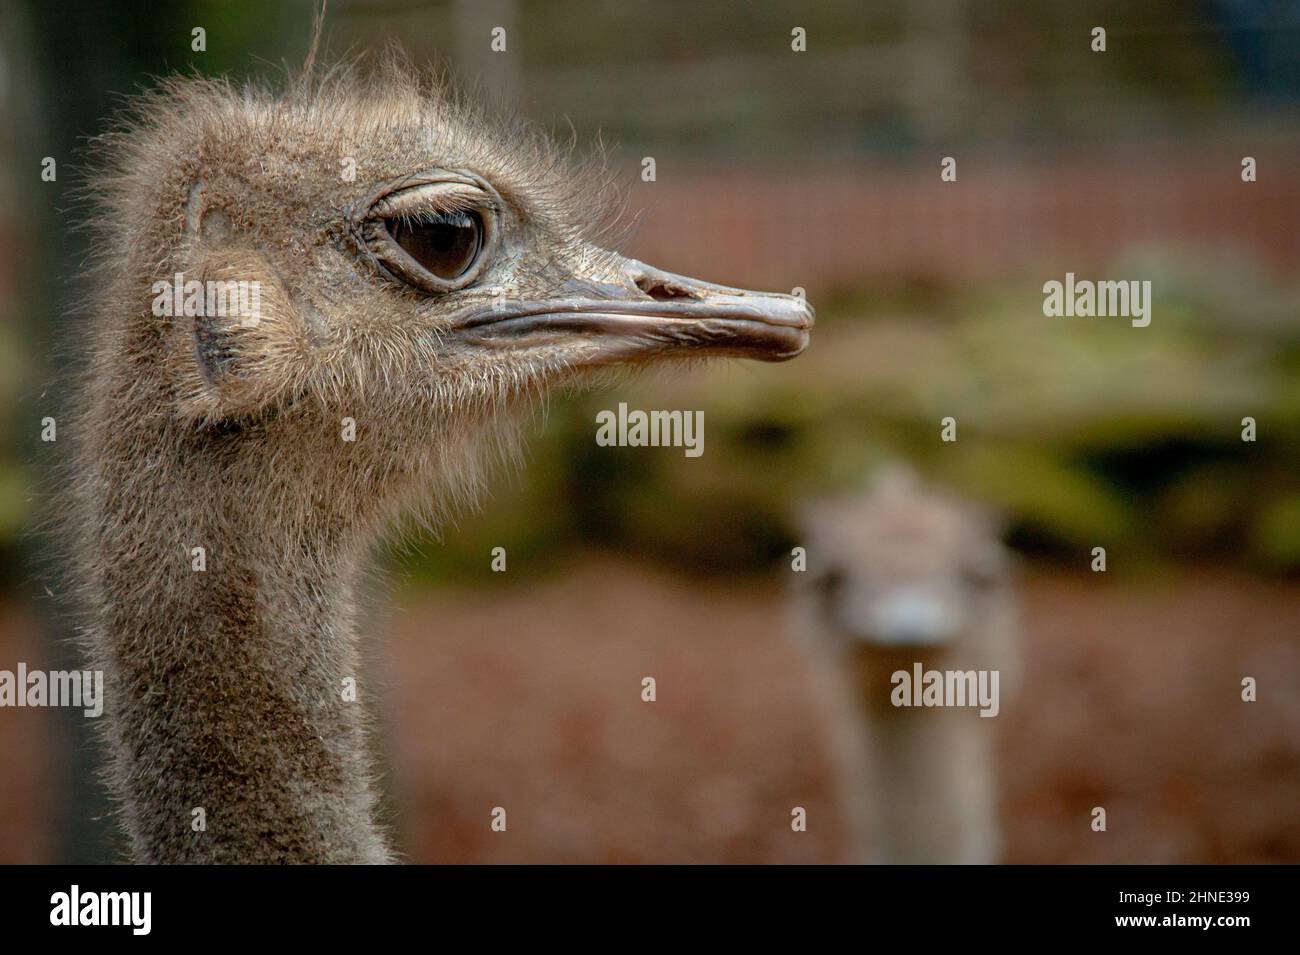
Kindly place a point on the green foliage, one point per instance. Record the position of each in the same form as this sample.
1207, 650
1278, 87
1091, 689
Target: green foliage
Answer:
1276, 533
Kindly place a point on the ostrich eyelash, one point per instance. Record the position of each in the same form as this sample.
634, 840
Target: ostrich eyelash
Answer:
416, 218
431, 198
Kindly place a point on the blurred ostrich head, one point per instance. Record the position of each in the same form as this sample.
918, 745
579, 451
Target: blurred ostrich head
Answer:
903, 565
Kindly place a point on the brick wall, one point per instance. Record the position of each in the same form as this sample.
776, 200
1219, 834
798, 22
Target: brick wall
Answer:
840, 225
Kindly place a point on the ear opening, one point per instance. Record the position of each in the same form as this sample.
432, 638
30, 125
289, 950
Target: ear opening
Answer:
237, 341
214, 350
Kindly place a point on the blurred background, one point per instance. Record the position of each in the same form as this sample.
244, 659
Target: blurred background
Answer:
777, 169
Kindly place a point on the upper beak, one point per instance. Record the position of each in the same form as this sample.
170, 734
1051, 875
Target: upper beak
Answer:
647, 312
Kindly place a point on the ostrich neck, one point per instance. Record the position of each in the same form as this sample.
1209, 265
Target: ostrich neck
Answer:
922, 787
237, 732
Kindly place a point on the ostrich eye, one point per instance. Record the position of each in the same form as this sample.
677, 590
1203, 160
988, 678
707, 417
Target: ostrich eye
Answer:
985, 570
434, 232
446, 244
829, 584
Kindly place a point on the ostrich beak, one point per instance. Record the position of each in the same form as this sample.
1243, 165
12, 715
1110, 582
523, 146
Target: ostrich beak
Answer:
644, 313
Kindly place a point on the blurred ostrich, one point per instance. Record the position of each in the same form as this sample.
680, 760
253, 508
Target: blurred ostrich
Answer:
897, 576
424, 272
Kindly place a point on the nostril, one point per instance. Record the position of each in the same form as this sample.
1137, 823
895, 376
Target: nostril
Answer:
662, 291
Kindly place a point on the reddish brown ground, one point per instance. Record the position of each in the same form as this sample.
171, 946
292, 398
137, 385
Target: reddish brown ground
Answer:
529, 698
27, 751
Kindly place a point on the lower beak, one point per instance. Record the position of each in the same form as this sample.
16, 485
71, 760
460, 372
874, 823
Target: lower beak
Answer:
644, 313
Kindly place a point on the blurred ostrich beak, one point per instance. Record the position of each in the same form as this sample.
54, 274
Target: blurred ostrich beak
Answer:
645, 313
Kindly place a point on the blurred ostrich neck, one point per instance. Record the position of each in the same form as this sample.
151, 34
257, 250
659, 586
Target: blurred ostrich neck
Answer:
933, 773
930, 769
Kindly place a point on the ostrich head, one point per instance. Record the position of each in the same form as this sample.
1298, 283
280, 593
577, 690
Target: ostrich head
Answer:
903, 567
406, 274
416, 266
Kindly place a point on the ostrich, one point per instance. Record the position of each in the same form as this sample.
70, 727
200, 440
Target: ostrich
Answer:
424, 273
901, 575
